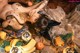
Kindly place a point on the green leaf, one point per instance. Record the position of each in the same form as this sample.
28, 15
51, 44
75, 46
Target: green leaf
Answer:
38, 0
5, 43
19, 43
66, 37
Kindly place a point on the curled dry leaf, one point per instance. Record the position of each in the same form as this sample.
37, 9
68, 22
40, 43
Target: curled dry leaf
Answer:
57, 14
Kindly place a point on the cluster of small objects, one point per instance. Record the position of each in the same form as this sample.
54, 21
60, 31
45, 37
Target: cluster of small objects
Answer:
37, 37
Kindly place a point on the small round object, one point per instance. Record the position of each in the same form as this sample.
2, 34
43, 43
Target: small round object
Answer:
3, 35
39, 45
15, 49
7, 48
44, 22
26, 36
58, 41
30, 3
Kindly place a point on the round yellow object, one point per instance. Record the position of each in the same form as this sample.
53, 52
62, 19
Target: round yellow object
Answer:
2, 35
59, 41
7, 48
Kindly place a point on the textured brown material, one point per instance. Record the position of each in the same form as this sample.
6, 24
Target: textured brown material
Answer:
67, 6
75, 16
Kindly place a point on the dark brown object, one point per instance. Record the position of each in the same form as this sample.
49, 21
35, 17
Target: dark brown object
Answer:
22, 1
